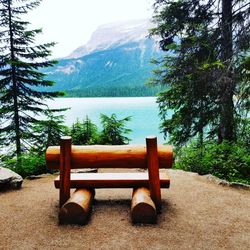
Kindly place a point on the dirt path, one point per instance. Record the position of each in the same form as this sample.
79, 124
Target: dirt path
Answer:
196, 214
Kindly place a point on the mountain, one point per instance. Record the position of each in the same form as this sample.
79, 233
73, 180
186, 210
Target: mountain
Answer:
117, 56
113, 35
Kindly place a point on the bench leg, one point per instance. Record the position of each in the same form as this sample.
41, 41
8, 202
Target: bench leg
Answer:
65, 166
142, 207
78, 208
153, 171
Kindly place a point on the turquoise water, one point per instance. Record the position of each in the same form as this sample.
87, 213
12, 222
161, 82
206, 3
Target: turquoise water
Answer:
144, 112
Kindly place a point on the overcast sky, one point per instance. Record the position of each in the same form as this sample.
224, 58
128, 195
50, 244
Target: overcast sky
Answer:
70, 23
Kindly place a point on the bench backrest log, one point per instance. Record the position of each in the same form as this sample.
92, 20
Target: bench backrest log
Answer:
109, 156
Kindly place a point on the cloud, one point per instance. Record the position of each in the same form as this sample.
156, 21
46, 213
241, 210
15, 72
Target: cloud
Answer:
71, 23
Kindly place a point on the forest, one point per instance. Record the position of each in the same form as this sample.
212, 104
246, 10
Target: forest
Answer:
137, 91
203, 77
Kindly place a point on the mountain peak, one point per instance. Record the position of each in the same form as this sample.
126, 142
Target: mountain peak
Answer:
113, 35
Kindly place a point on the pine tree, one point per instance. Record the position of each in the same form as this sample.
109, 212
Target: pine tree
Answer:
206, 43
76, 132
114, 130
47, 132
84, 133
90, 132
20, 77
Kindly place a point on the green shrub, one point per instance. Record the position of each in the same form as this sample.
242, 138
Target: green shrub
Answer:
28, 164
227, 160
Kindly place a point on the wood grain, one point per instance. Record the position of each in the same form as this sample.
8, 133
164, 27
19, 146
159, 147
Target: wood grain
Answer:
65, 166
143, 209
106, 156
112, 180
77, 209
153, 171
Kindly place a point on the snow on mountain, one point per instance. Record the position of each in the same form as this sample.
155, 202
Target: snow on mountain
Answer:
112, 35
117, 56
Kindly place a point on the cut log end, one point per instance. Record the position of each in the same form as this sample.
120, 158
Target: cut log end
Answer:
143, 209
78, 208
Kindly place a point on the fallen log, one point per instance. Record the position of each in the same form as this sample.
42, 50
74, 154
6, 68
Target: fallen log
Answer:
143, 209
77, 209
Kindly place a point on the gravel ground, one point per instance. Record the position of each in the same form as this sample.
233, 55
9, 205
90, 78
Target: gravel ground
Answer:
196, 214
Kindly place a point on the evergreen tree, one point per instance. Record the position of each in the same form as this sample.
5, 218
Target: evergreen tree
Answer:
48, 132
206, 44
90, 133
114, 130
76, 131
20, 76
84, 133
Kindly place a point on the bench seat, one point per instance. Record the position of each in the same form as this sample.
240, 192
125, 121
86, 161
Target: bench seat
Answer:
112, 180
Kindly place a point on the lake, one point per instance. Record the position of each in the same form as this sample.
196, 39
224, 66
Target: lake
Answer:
144, 111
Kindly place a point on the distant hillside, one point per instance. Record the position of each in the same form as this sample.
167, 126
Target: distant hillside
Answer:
117, 56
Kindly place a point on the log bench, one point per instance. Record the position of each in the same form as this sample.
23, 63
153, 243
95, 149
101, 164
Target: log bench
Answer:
146, 196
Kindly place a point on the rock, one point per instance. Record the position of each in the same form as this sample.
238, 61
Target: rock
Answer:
35, 177
84, 170
9, 179
240, 185
221, 182
216, 180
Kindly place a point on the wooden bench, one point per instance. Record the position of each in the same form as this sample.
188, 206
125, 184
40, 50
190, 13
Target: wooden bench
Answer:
146, 197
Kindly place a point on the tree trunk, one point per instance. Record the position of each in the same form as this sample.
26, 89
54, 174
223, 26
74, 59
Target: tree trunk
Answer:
227, 83
15, 87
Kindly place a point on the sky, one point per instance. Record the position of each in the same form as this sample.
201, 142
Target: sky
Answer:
70, 23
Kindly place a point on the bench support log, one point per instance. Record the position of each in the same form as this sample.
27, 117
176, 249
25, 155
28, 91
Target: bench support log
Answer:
65, 166
153, 171
142, 207
77, 209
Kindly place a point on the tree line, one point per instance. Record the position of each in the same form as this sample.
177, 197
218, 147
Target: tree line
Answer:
137, 91
203, 78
